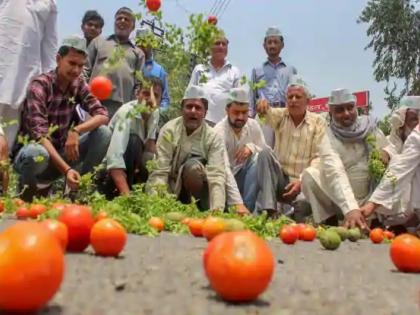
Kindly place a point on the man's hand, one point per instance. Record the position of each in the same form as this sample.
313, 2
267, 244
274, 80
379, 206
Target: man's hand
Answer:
384, 156
71, 148
262, 106
73, 179
355, 218
242, 154
292, 190
242, 210
368, 208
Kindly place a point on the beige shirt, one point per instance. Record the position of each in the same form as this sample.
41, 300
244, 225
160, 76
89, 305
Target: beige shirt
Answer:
296, 147
175, 147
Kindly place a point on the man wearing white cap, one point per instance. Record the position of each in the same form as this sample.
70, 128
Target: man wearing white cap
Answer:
243, 139
298, 135
403, 120
217, 78
396, 200
190, 156
343, 194
276, 75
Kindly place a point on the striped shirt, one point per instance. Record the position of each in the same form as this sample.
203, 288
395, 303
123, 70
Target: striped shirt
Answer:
47, 106
296, 147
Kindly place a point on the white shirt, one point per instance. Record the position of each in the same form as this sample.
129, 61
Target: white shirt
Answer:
251, 136
217, 85
28, 45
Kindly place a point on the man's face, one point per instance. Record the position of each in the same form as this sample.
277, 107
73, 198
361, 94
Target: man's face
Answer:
124, 25
238, 114
220, 49
91, 29
297, 101
193, 112
344, 114
145, 94
273, 46
70, 66
411, 118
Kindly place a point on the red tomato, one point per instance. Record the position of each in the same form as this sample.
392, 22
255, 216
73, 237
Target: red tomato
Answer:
157, 223
196, 227
299, 227
108, 237
79, 221
101, 87
212, 19
239, 265
36, 209
289, 234
389, 235
59, 230
32, 267
58, 206
405, 253
212, 226
377, 235
22, 213
153, 5
1, 206
101, 215
307, 234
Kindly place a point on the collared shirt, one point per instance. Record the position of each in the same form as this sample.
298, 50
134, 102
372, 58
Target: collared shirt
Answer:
277, 77
152, 68
1, 130
175, 147
296, 147
251, 136
217, 85
122, 125
123, 76
47, 106
28, 45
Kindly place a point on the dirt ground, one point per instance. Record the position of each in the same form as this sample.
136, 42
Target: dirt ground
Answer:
164, 275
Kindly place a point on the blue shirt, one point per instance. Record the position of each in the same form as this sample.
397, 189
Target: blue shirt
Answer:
152, 68
277, 77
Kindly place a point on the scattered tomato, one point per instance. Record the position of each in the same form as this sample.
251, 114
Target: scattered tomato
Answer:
108, 237
22, 213
153, 5
32, 267
18, 202
186, 221
377, 235
59, 230
389, 235
405, 253
308, 233
157, 223
196, 227
212, 226
239, 265
1, 206
101, 87
101, 215
212, 19
79, 221
289, 234
58, 206
36, 210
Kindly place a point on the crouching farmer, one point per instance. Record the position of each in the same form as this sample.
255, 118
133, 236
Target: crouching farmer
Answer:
133, 142
56, 147
190, 156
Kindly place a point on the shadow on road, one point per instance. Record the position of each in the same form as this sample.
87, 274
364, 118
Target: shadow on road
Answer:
257, 302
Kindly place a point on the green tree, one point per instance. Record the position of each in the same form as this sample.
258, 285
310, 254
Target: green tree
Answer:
394, 31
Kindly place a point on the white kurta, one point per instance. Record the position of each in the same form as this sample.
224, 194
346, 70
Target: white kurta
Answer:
403, 175
329, 195
28, 46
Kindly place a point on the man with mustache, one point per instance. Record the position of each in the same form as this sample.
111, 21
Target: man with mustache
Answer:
298, 135
276, 75
349, 134
53, 145
133, 142
190, 156
123, 73
218, 77
243, 139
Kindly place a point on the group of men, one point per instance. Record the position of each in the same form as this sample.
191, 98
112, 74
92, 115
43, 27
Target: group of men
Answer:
252, 149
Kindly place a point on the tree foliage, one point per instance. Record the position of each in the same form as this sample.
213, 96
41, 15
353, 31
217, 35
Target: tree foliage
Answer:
394, 31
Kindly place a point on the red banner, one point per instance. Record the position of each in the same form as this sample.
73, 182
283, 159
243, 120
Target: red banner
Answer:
321, 104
